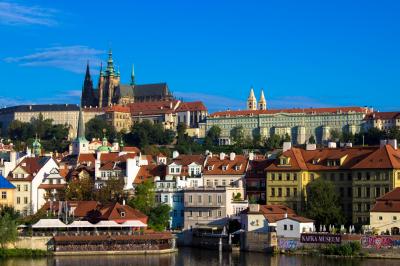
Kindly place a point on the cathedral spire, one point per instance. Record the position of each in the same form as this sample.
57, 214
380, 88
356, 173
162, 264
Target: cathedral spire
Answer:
81, 126
110, 63
133, 76
251, 100
87, 75
262, 104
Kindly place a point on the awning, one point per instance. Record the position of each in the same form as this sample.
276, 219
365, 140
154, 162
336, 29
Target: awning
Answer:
49, 223
81, 224
134, 224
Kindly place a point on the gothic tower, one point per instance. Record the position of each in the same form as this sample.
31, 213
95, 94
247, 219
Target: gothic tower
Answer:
262, 103
88, 96
251, 101
108, 82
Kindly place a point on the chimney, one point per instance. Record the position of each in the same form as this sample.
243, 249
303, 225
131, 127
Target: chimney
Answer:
382, 143
175, 154
232, 156
13, 157
287, 146
123, 202
251, 156
332, 145
285, 214
222, 156
393, 143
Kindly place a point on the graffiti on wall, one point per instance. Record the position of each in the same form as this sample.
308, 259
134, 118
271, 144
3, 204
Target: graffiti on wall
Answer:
379, 242
289, 244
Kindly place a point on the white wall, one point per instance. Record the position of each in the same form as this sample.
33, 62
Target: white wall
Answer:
297, 228
254, 222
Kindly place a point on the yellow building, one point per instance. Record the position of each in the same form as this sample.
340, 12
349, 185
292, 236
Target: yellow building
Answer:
6, 193
360, 175
385, 214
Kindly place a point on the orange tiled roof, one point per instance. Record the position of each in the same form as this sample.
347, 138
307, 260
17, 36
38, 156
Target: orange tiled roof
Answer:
117, 108
274, 212
383, 115
385, 157
217, 165
292, 111
31, 165
148, 172
192, 106
152, 108
390, 202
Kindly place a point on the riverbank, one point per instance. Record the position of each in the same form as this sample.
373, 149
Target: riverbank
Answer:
23, 252
116, 252
376, 254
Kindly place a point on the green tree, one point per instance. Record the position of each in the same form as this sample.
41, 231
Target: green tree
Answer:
146, 133
323, 203
111, 191
159, 217
144, 199
41, 126
311, 139
393, 133
370, 137
286, 138
237, 135
273, 142
80, 189
335, 135
8, 230
95, 126
212, 136
347, 137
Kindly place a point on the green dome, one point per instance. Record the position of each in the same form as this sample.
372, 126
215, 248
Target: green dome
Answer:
36, 144
104, 148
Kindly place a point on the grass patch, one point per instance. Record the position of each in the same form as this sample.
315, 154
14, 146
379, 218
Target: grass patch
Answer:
22, 252
348, 249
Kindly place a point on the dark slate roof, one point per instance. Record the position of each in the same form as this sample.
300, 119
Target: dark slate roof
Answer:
4, 183
156, 89
125, 91
40, 108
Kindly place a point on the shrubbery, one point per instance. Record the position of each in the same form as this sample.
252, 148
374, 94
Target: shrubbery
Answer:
22, 252
348, 249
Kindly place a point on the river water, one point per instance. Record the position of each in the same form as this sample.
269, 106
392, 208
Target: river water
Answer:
192, 257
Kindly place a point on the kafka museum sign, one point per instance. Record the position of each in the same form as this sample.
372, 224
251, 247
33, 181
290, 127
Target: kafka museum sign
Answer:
321, 238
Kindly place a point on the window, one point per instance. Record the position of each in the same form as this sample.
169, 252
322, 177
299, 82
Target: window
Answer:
199, 199
4, 194
172, 170
165, 198
332, 177
190, 213
216, 182
272, 176
359, 176
368, 175
368, 192
341, 176
295, 192
280, 177
295, 177
285, 227
25, 200
208, 183
291, 227
349, 192
288, 192
288, 176
272, 192
279, 192
394, 218
25, 187
219, 213
209, 213
349, 177
224, 168
190, 199
200, 214
18, 200
209, 199
122, 214
359, 192
223, 182
219, 199
18, 187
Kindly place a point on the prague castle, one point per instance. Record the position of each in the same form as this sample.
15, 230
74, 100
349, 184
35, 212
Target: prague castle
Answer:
299, 123
110, 91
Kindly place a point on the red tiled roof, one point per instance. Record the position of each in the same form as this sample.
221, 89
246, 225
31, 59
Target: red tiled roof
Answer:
31, 165
131, 149
148, 172
296, 162
390, 202
383, 115
192, 106
114, 212
217, 165
276, 212
300, 219
385, 157
293, 111
117, 108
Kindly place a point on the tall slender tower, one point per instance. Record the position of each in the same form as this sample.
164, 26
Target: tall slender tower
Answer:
262, 103
88, 98
251, 100
80, 144
133, 76
108, 82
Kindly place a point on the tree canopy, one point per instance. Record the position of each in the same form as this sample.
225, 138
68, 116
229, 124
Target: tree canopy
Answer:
146, 133
323, 203
8, 229
144, 200
96, 126
80, 189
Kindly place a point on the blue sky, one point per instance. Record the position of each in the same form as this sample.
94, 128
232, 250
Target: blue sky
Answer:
303, 53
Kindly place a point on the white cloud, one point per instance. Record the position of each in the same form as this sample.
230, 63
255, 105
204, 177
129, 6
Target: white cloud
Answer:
18, 14
70, 58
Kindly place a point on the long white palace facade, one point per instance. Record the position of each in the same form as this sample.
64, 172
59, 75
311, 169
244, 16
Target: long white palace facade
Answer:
299, 123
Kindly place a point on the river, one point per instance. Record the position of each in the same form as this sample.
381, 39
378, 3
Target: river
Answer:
193, 257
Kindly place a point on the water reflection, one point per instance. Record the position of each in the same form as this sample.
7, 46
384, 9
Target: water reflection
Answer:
193, 257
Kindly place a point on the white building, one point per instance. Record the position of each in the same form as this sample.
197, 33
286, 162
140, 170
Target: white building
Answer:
294, 226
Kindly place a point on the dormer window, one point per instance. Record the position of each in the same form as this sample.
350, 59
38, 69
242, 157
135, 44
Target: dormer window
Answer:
210, 167
237, 167
315, 161
224, 167
284, 161
122, 214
